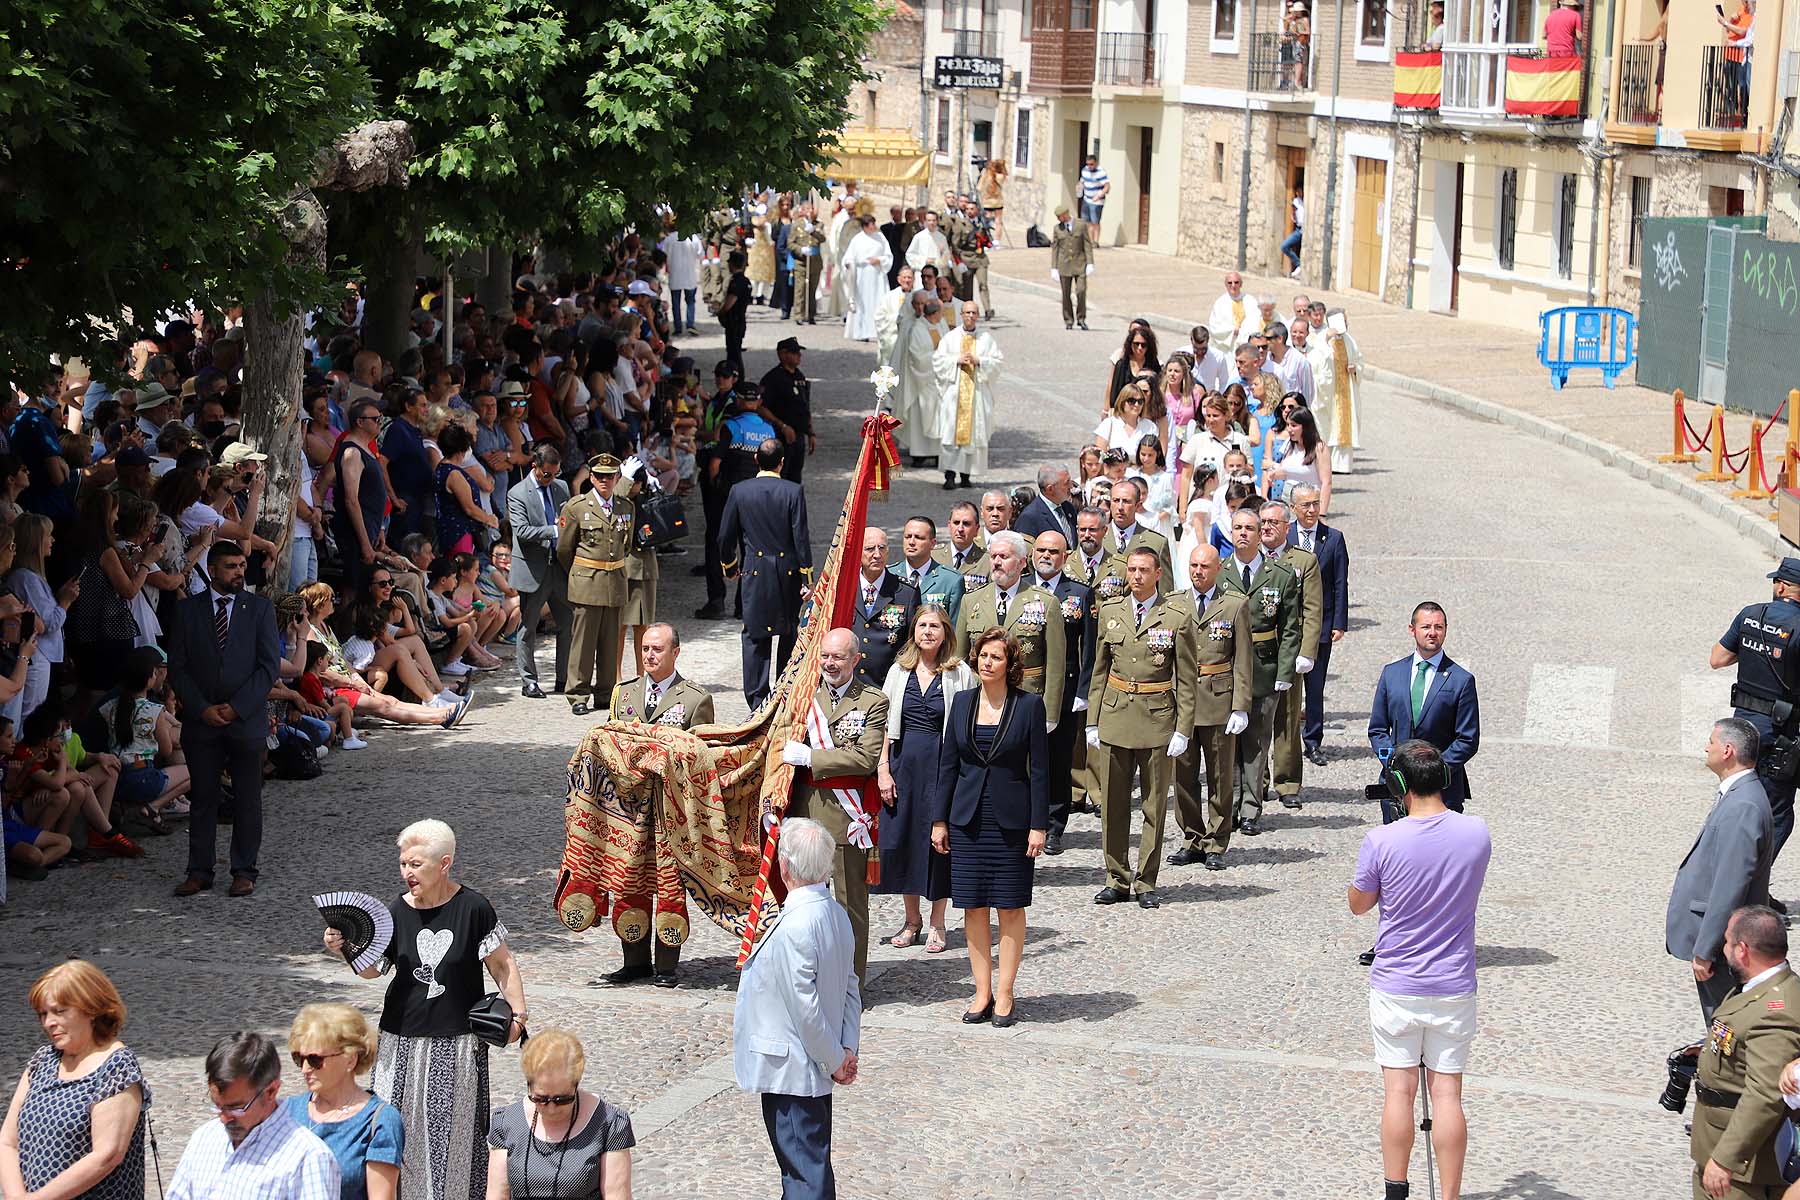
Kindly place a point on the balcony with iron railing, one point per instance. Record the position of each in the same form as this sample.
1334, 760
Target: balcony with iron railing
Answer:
974, 43
1638, 102
1475, 79
1130, 60
1280, 65
1724, 89
1062, 47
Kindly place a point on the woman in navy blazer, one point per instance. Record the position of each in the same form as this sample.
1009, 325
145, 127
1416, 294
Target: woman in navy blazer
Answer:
993, 813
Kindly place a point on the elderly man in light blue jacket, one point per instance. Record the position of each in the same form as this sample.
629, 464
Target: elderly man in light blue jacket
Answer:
799, 1014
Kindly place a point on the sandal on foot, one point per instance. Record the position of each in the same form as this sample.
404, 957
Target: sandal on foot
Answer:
934, 940
907, 936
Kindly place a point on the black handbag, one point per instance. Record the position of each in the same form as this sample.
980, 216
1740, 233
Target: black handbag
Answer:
491, 1020
660, 520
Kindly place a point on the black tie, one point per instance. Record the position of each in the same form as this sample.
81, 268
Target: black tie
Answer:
1000, 608
1140, 613
1246, 570
651, 694
222, 623
959, 558
915, 579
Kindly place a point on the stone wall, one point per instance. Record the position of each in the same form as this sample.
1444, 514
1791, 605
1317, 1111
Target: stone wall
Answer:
1403, 199
1212, 149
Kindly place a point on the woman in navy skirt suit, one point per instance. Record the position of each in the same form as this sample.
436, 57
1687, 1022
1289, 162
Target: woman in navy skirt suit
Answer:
993, 813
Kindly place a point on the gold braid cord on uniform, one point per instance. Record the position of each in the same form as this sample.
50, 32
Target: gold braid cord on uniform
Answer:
965, 395
659, 811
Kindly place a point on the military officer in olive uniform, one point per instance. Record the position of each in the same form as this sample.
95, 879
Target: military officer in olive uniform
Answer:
1222, 691
1071, 261
643, 571
1140, 703
658, 697
1752, 1042
955, 228
1286, 759
713, 275
842, 773
763, 540
1273, 592
964, 554
806, 241
593, 546
1124, 534
976, 235
1013, 601
882, 619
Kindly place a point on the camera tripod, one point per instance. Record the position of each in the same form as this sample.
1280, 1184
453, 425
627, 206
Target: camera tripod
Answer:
1425, 1128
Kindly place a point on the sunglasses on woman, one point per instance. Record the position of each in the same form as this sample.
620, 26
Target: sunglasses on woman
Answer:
313, 1062
551, 1101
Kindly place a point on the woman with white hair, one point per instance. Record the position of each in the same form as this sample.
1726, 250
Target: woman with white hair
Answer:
428, 1064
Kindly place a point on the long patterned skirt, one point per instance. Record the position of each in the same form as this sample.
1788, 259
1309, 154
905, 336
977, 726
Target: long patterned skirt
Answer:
440, 1086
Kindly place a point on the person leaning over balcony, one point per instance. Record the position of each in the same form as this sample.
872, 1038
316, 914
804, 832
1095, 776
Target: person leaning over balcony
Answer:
1562, 30
1435, 39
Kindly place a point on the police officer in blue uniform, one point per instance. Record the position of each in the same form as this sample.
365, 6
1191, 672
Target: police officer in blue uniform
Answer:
763, 541
1764, 642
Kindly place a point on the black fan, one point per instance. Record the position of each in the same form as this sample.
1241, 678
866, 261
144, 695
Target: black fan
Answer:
365, 922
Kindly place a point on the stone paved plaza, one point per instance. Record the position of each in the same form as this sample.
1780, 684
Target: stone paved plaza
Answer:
1216, 1047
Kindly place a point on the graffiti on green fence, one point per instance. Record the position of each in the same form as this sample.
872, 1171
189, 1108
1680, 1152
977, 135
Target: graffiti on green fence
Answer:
1769, 274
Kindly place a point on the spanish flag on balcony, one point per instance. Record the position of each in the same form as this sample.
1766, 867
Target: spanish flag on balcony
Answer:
1543, 87
1418, 79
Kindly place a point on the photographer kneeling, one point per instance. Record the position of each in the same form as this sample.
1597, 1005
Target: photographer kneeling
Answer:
1425, 871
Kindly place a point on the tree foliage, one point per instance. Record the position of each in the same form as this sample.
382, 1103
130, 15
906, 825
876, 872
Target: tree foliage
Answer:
147, 148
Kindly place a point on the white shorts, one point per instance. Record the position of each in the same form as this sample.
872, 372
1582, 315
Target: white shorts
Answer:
1435, 1030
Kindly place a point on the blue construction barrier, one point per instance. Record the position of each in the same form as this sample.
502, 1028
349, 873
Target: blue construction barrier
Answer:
1577, 336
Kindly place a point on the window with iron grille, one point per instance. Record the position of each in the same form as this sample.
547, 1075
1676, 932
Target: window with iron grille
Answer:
1022, 139
1224, 20
1640, 208
943, 124
1506, 217
1565, 226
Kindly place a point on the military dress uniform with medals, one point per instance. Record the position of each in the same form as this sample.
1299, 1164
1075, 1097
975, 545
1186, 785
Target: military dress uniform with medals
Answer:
1738, 1106
1275, 620
678, 704
1075, 602
1287, 756
1142, 694
882, 623
805, 242
1224, 683
937, 585
857, 723
593, 546
1118, 553
973, 566
1766, 640
1034, 617
1106, 577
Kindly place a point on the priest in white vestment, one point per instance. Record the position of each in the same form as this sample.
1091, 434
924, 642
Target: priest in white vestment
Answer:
916, 403
837, 283
967, 364
1229, 313
894, 308
866, 261
929, 245
1336, 387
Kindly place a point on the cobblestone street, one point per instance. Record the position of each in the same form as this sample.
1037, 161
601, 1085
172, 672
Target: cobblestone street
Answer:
1218, 1046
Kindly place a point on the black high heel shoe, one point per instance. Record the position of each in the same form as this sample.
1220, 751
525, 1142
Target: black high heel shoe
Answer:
974, 1017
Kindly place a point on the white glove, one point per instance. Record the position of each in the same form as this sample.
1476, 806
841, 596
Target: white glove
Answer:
1178, 745
797, 754
1089, 270
1303, 664
1050, 727
1055, 274
1282, 685
1080, 704
1236, 723
1093, 736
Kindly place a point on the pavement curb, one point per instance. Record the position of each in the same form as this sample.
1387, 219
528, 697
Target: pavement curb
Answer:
1754, 526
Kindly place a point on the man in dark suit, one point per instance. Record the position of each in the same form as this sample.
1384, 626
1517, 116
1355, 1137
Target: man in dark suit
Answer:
1051, 510
882, 621
1427, 696
763, 540
1327, 545
1075, 601
223, 659
898, 238
533, 506
1727, 866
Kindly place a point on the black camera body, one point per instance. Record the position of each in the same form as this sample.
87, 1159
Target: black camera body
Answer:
1684, 1064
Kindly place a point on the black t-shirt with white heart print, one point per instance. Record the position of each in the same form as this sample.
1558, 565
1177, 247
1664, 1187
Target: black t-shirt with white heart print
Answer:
436, 958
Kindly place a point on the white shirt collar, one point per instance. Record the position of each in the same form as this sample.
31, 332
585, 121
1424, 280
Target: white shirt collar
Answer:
1009, 592
837, 693
1725, 783
1436, 661
214, 595
1124, 535
1760, 976
1051, 582
870, 585
813, 891
1255, 564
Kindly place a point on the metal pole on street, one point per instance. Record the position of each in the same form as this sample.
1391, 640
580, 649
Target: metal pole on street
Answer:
1244, 165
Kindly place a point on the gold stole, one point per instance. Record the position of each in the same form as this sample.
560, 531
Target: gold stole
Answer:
1340, 364
965, 395
1237, 316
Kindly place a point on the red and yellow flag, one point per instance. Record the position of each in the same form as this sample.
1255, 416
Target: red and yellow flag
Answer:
1543, 87
1418, 79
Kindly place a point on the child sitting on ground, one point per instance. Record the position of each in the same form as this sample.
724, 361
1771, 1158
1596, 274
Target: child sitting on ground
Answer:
52, 794
30, 851
338, 710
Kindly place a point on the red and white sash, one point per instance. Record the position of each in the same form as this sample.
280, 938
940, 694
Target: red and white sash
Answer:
862, 822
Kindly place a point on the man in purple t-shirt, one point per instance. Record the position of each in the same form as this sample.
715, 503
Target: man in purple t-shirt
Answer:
1425, 871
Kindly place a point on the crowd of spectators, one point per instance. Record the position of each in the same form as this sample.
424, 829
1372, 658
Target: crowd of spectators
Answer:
389, 568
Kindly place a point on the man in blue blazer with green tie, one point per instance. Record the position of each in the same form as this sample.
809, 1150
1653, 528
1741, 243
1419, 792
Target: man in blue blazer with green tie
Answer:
1427, 696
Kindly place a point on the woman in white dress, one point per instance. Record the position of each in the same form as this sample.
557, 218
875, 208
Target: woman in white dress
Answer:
1128, 425
1296, 460
1159, 500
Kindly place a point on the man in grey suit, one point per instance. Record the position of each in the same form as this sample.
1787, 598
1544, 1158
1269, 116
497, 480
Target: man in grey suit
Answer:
532, 508
798, 1021
223, 659
1728, 866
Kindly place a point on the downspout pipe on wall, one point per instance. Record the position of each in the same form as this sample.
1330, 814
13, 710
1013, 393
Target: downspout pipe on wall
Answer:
1244, 164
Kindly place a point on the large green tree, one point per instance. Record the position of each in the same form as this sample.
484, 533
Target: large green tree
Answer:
569, 119
147, 150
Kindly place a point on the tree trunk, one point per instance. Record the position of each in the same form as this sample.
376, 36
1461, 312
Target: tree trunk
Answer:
388, 291
495, 292
374, 155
